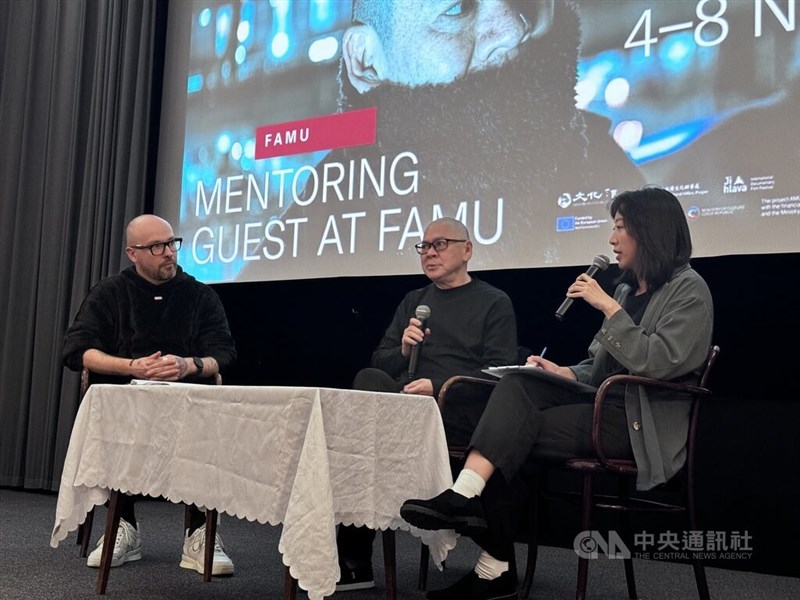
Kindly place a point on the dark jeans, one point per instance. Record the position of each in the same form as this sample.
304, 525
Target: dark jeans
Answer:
197, 518
529, 422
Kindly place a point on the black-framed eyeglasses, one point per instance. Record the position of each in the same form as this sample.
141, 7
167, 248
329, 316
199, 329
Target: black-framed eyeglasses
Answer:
158, 248
437, 245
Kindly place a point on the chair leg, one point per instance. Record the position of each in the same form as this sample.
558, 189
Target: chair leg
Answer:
629, 578
697, 563
424, 559
389, 564
586, 514
85, 532
109, 537
533, 544
700, 578
625, 526
289, 586
208, 551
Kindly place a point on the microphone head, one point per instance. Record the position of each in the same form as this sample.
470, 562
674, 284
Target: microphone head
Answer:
422, 312
601, 261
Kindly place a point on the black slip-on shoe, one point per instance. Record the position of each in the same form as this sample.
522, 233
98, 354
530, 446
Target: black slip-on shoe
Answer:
448, 510
472, 587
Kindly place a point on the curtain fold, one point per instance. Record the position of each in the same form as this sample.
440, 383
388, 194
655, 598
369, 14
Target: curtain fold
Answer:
76, 97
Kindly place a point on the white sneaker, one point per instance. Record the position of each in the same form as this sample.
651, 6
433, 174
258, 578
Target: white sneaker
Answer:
194, 553
127, 547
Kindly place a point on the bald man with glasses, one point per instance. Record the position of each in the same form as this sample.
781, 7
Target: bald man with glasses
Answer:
152, 321
472, 326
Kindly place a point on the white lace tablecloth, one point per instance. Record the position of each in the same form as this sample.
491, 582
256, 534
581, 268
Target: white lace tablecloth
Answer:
307, 458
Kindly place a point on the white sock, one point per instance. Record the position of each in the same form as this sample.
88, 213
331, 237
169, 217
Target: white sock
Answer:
469, 484
489, 567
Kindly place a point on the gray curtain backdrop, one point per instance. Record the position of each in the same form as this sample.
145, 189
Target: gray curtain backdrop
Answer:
75, 106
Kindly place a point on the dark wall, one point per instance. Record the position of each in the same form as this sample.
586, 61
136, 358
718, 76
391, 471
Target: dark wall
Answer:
320, 332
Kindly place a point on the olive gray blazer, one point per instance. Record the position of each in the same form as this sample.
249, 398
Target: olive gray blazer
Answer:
671, 342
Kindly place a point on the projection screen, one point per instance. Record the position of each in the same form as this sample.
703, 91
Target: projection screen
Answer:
317, 138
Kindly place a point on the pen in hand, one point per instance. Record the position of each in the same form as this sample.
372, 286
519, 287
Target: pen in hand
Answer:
541, 355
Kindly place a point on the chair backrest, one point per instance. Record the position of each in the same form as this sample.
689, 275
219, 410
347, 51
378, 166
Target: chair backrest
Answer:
85, 373
627, 466
691, 440
713, 352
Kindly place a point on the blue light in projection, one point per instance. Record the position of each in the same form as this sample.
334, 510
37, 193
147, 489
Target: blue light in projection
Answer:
204, 18
281, 42
593, 75
240, 55
280, 45
244, 32
670, 140
194, 83
321, 15
677, 52
223, 143
223, 31
323, 49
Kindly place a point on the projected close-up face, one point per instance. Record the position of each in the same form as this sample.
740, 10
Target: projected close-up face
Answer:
418, 42
437, 42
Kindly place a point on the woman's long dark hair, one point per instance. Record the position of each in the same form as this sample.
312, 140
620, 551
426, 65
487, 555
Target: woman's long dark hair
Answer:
655, 219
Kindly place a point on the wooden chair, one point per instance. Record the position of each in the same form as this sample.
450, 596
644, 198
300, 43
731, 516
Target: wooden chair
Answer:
459, 387
624, 503
85, 528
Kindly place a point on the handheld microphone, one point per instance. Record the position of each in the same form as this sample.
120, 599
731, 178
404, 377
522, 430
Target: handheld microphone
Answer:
422, 313
599, 263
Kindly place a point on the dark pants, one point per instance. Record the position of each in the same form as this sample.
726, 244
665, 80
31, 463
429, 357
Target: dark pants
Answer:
197, 518
529, 422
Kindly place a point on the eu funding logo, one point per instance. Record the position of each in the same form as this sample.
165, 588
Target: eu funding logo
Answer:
565, 224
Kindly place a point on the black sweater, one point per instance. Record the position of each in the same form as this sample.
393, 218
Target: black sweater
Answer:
473, 326
126, 315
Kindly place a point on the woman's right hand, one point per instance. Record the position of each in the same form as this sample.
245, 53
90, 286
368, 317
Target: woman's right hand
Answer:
549, 365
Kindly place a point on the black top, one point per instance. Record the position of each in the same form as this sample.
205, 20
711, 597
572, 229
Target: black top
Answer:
126, 315
473, 326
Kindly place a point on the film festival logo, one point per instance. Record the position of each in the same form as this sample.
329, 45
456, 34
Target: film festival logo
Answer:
667, 545
733, 185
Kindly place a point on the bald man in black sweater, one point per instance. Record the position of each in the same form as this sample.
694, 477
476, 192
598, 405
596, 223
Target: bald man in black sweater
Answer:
471, 326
